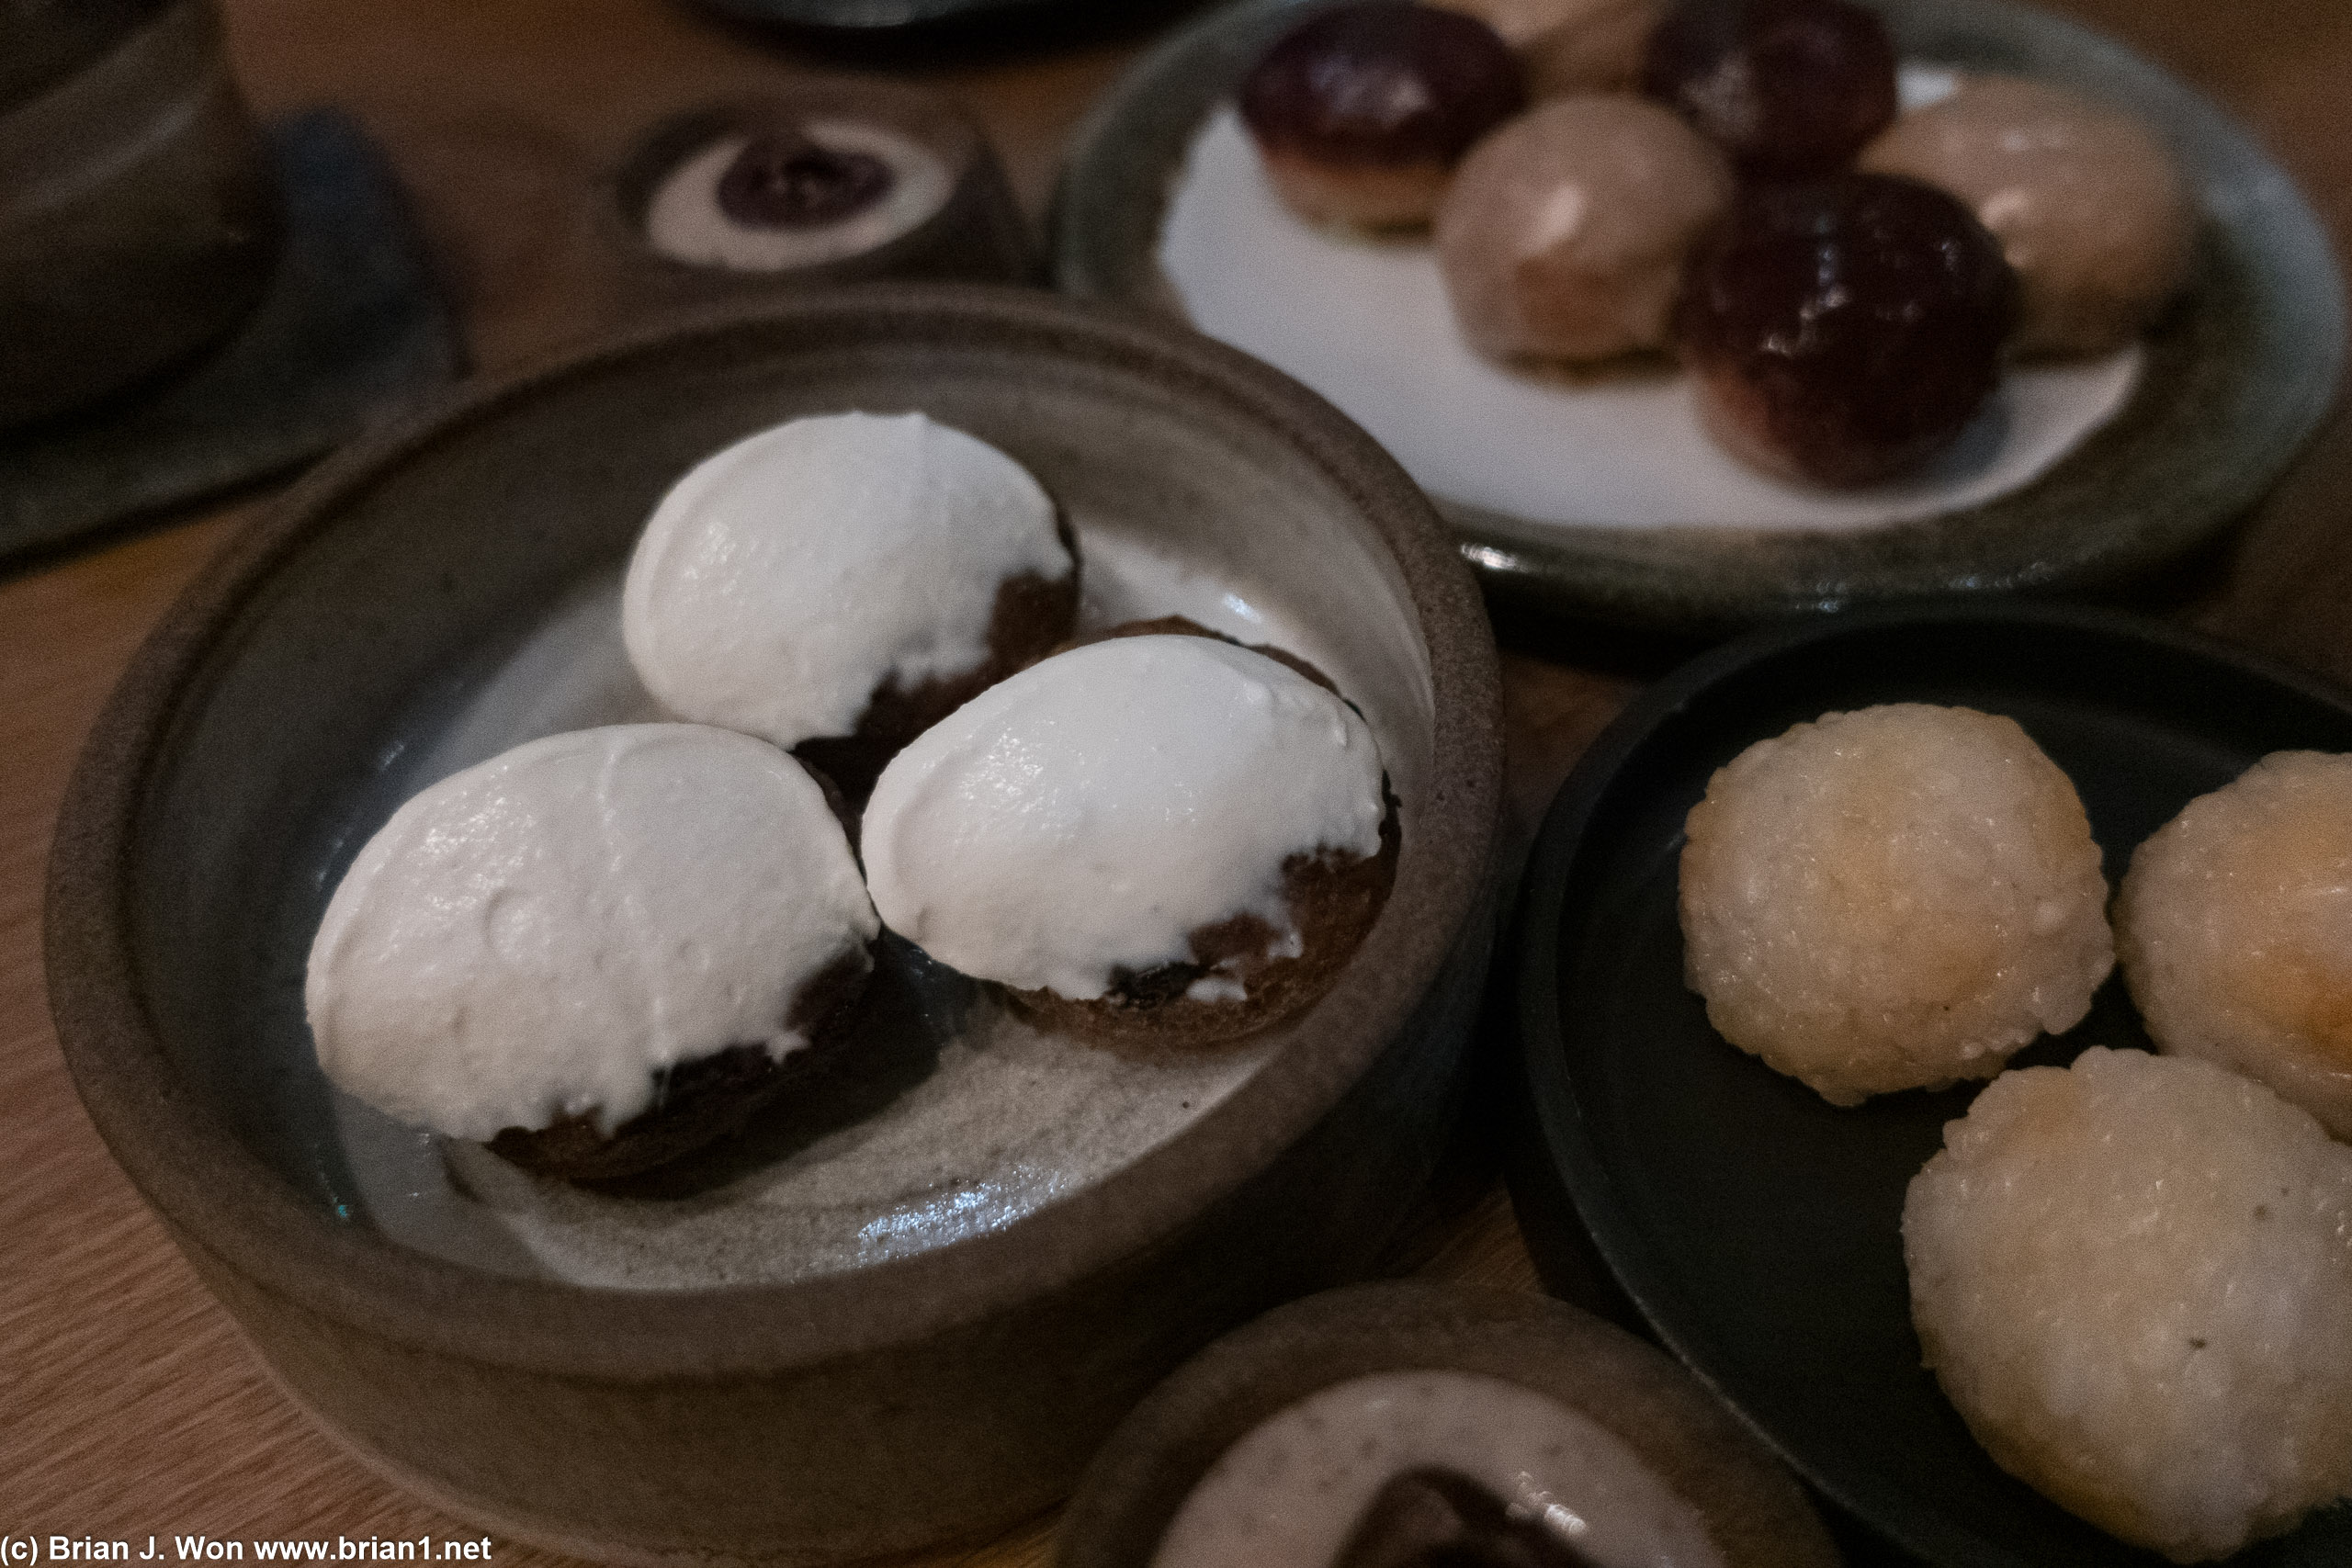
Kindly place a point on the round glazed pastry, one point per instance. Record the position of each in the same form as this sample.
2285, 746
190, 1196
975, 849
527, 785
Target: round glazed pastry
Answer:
596, 950
1164, 839
1564, 232
1569, 47
2234, 929
795, 196
1361, 111
837, 584
1789, 88
1410, 1425
1893, 898
1844, 332
2133, 1278
2087, 203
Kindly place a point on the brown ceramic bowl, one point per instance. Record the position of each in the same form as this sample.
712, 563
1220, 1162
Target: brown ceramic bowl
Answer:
907, 1310
1755, 1514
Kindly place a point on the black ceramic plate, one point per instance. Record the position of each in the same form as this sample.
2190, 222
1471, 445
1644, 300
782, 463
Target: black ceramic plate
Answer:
2232, 384
1755, 1227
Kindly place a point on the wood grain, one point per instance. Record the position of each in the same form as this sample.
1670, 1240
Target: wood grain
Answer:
128, 1407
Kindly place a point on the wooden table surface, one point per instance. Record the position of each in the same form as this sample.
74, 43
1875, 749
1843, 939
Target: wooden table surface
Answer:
128, 1405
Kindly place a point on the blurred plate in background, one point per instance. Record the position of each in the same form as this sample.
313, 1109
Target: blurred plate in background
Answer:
2229, 386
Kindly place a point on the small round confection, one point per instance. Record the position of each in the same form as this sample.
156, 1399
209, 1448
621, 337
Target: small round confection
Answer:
555, 935
2234, 929
2090, 205
2133, 1278
1361, 111
1164, 839
769, 199
1893, 898
1564, 232
1571, 47
837, 584
1842, 332
1789, 88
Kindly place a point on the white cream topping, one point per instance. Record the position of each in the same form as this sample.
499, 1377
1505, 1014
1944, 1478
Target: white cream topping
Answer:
530, 939
1092, 811
788, 576
684, 221
1291, 1492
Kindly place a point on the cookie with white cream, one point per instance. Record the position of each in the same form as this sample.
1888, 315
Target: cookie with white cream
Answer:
1160, 839
595, 951
837, 584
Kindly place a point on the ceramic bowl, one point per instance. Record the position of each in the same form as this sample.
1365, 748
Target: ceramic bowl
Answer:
1754, 1513
909, 1311
975, 233
1654, 527
138, 221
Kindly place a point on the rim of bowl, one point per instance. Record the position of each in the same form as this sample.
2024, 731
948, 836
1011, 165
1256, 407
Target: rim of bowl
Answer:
216, 1194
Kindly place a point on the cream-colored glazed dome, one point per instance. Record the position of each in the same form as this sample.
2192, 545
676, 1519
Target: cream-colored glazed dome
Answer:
2234, 929
1563, 232
532, 938
787, 577
1090, 814
1894, 898
2134, 1280
2090, 205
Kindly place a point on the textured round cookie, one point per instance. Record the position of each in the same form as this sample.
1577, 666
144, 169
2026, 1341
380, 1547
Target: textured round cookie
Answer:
2090, 208
2234, 930
1893, 898
1164, 839
2133, 1278
552, 937
838, 583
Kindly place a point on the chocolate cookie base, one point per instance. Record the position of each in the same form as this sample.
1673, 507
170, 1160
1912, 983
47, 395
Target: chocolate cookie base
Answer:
1032, 614
698, 1102
1333, 899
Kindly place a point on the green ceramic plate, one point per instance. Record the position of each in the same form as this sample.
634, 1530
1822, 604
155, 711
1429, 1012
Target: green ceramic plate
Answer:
2232, 385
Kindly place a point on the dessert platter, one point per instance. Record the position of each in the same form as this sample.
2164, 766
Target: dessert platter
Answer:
516, 1052
2011, 1322
1553, 298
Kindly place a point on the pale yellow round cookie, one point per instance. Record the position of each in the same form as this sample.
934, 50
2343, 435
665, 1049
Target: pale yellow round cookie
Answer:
2134, 1279
1897, 897
2235, 927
